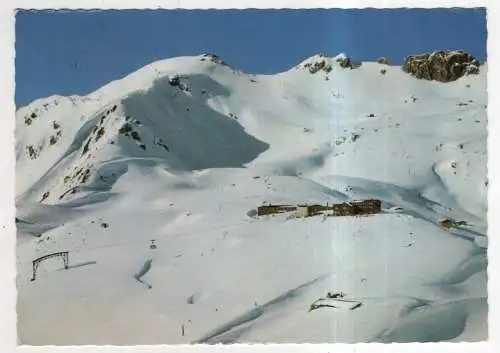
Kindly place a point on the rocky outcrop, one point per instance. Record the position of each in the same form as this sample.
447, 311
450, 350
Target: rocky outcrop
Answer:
442, 66
383, 60
345, 62
318, 65
325, 63
213, 58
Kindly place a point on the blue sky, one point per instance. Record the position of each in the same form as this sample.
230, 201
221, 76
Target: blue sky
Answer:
76, 52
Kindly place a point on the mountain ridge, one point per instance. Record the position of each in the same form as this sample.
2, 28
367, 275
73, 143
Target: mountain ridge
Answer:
213, 58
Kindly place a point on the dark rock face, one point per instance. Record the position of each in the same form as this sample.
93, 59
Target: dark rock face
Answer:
174, 81
345, 62
348, 63
442, 66
319, 65
213, 58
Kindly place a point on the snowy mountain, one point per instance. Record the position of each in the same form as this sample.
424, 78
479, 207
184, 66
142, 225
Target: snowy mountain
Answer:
180, 153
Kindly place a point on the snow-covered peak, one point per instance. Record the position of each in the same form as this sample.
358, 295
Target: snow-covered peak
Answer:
213, 58
321, 62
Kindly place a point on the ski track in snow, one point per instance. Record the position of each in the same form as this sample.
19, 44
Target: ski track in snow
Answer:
231, 331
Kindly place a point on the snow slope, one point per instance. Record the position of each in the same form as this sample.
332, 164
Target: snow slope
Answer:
183, 151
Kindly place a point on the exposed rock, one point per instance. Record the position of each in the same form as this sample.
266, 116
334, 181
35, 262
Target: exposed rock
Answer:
85, 176
451, 223
318, 64
99, 134
28, 119
174, 80
213, 58
45, 196
324, 63
159, 142
442, 66
345, 62
32, 152
382, 60
125, 128
86, 146
135, 136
